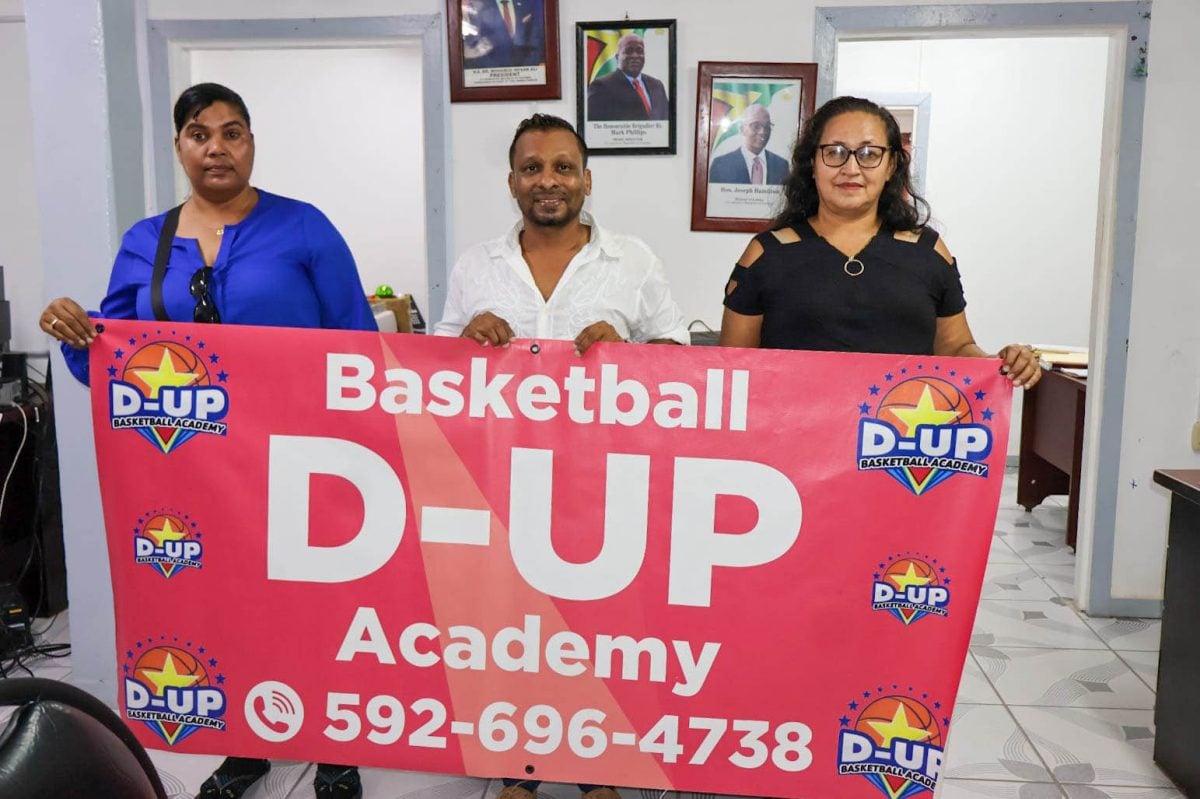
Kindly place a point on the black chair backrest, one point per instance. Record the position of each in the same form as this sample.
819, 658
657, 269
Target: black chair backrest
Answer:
63, 743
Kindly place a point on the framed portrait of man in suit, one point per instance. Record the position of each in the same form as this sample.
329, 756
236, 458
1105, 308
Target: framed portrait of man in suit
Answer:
625, 86
748, 117
503, 50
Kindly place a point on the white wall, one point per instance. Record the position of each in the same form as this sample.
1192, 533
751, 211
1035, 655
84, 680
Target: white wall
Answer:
1024, 239
20, 244
1163, 383
340, 128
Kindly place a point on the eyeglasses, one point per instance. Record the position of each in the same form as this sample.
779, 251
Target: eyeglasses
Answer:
205, 311
868, 156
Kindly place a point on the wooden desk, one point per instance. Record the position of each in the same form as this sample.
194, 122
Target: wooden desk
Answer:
1052, 444
1177, 703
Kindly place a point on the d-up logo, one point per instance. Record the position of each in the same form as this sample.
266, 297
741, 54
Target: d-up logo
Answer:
895, 742
168, 541
911, 587
169, 689
164, 391
924, 430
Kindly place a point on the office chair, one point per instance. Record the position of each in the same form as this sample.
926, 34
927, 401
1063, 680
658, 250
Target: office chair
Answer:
63, 743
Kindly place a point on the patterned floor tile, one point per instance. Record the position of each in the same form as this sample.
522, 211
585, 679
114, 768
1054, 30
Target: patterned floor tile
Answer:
975, 688
1041, 623
1001, 552
1012, 581
1042, 548
1144, 665
181, 775
1049, 517
390, 784
1008, 517
1111, 792
1062, 677
991, 789
1095, 747
1060, 577
1132, 634
986, 744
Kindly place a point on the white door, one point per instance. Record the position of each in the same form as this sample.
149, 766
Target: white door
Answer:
341, 128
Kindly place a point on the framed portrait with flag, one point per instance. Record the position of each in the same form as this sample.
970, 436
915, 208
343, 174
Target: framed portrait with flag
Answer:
625, 86
747, 119
503, 50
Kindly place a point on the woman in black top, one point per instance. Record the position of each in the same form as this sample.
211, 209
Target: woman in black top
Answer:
849, 265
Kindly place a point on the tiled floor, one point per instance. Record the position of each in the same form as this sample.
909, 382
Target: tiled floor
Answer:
1052, 704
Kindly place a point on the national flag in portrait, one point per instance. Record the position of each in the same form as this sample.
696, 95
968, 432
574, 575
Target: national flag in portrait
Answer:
602, 50
731, 98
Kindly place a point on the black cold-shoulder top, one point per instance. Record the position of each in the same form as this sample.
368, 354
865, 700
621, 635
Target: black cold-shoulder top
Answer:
810, 300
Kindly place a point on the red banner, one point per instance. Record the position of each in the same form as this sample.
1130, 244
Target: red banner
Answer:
729, 571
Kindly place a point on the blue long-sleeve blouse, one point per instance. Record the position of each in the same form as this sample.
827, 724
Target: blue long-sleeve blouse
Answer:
284, 265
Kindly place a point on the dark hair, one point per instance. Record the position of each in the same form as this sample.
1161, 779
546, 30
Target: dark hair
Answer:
199, 97
900, 207
545, 122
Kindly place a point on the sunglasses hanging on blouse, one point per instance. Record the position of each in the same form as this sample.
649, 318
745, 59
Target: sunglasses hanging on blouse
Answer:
205, 311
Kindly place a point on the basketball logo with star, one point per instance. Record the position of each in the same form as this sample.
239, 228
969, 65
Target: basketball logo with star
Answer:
894, 740
911, 586
168, 541
170, 688
164, 390
922, 427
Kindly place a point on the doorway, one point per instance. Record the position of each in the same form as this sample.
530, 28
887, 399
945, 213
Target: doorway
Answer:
1124, 30
348, 114
333, 126
1025, 239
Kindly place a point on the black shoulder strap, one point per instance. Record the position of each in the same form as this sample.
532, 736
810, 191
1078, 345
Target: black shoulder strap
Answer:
767, 240
928, 238
165, 238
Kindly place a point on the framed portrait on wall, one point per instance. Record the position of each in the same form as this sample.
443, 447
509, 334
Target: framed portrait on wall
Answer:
748, 116
503, 50
625, 86
913, 113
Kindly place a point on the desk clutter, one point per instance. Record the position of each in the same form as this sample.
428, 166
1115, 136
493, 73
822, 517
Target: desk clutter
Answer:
1070, 360
399, 310
33, 577
700, 334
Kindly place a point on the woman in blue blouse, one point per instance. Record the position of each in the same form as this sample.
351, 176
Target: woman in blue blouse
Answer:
239, 255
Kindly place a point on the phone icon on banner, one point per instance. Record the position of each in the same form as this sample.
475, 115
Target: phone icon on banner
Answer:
274, 711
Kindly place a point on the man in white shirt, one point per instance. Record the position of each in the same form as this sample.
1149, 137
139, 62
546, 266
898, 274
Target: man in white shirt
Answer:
557, 274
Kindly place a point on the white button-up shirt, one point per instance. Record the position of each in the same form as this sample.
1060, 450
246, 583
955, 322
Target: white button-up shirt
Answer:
613, 278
